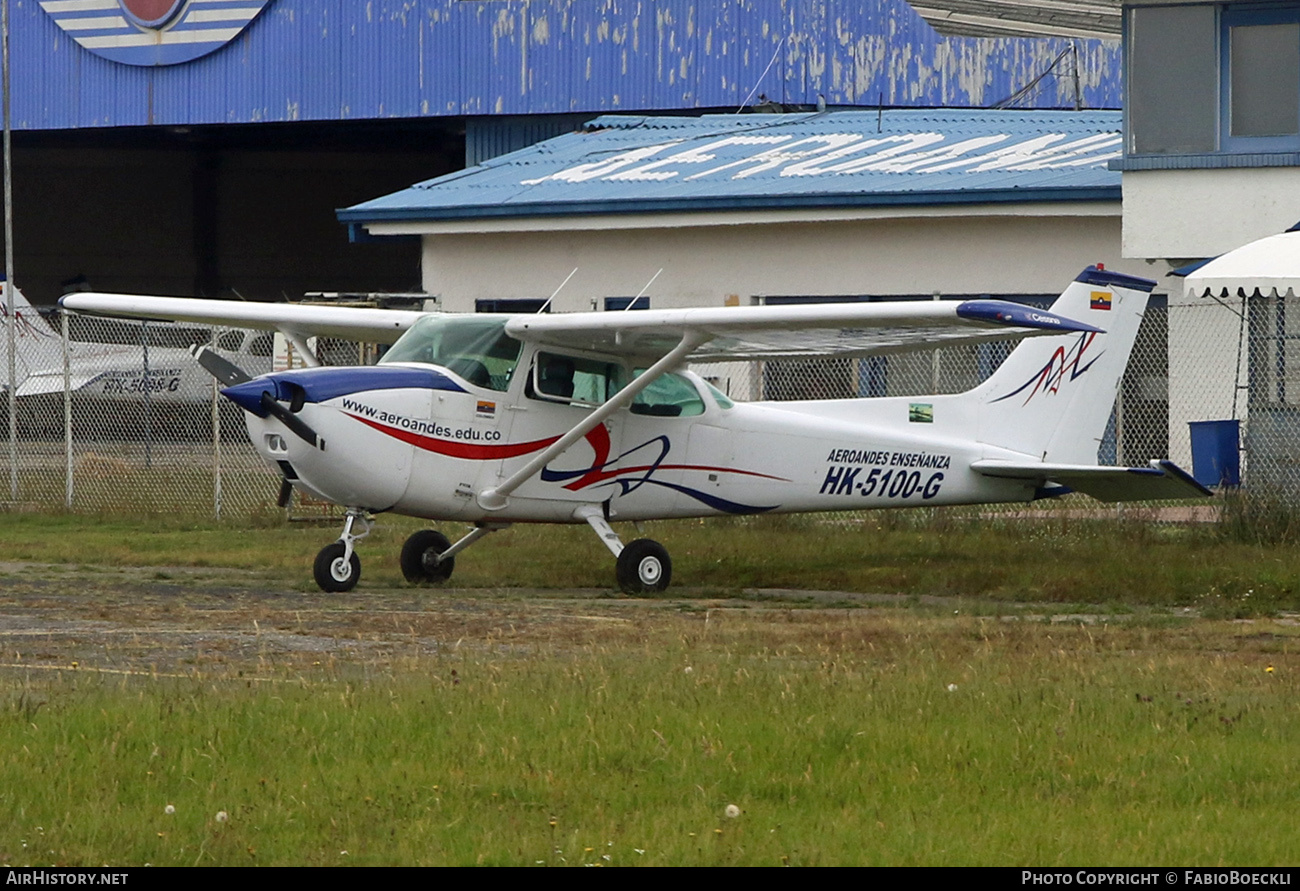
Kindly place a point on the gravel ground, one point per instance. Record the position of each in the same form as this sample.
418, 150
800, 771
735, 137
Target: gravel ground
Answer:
226, 622
186, 621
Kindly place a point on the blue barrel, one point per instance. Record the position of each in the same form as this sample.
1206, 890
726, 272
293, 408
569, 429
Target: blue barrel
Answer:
1216, 452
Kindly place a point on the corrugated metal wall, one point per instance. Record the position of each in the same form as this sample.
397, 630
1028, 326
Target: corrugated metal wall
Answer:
347, 60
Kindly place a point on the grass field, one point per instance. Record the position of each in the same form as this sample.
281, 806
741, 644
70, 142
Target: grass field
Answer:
1048, 693
1226, 570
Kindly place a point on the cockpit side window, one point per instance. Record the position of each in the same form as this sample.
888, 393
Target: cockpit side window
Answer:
574, 379
474, 348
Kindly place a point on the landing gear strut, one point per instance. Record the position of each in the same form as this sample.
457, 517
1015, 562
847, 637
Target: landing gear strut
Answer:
428, 557
338, 568
641, 567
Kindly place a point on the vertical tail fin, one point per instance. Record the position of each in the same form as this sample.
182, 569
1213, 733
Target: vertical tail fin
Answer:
1053, 396
37, 345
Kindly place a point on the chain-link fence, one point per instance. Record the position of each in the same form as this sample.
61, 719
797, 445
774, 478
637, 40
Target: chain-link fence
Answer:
121, 417
144, 429
1236, 364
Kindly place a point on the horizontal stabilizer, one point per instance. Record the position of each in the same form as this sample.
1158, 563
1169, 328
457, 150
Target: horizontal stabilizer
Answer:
46, 382
1163, 479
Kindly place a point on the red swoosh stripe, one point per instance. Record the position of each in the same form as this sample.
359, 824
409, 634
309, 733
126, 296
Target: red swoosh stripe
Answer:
453, 449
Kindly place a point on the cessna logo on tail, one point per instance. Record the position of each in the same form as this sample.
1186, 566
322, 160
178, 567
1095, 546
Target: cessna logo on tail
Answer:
153, 32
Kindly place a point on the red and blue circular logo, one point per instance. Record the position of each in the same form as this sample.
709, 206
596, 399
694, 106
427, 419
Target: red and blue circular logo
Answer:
153, 32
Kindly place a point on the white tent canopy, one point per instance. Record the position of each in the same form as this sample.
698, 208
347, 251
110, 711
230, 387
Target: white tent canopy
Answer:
1270, 265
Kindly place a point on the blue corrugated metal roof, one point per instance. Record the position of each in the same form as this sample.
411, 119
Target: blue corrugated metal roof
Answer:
730, 162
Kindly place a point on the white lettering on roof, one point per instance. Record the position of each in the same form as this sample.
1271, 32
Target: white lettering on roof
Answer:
838, 153
698, 155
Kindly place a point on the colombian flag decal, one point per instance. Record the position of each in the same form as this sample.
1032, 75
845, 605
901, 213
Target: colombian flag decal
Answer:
1101, 300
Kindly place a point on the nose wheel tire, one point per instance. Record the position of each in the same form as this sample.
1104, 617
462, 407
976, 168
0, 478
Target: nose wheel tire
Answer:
419, 558
643, 567
333, 573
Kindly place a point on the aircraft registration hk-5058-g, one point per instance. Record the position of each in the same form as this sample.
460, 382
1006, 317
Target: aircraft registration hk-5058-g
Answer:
114, 372
593, 418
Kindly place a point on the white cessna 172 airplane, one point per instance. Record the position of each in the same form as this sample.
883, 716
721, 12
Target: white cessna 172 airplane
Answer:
592, 418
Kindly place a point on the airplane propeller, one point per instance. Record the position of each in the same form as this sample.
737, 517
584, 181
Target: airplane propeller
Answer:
219, 366
231, 375
281, 412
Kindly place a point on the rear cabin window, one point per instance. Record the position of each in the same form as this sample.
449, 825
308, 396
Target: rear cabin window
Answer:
671, 396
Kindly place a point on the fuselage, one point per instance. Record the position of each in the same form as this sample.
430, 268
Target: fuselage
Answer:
422, 439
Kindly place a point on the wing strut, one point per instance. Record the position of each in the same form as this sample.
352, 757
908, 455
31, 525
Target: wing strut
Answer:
300, 347
495, 498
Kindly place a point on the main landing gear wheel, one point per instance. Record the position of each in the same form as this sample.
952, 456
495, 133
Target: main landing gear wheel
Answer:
643, 567
334, 573
419, 559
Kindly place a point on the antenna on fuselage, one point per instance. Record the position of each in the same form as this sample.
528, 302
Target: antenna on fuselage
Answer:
557, 290
641, 293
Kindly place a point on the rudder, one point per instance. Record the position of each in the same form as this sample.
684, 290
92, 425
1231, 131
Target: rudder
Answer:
1052, 397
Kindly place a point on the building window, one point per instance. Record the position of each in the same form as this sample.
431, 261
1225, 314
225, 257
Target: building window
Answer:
1260, 80
1212, 79
618, 304
1171, 80
522, 305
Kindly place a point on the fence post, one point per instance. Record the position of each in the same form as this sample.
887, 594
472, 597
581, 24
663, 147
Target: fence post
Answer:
146, 395
216, 441
67, 411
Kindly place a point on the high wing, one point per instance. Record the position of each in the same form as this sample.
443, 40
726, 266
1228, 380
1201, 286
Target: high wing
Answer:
350, 323
769, 332
750, 332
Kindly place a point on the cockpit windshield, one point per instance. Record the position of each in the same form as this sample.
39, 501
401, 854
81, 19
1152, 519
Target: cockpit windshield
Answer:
475, 348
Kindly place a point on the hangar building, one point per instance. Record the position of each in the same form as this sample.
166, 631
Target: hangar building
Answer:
202, 146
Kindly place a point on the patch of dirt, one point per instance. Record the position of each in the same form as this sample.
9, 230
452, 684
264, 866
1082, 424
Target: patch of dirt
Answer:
219, 622
186, 621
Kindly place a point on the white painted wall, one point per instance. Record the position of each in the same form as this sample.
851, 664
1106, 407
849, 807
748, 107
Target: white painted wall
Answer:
1003, 250
1190, 214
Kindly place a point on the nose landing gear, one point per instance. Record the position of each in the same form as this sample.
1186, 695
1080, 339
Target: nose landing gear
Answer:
338, 568
428, 557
